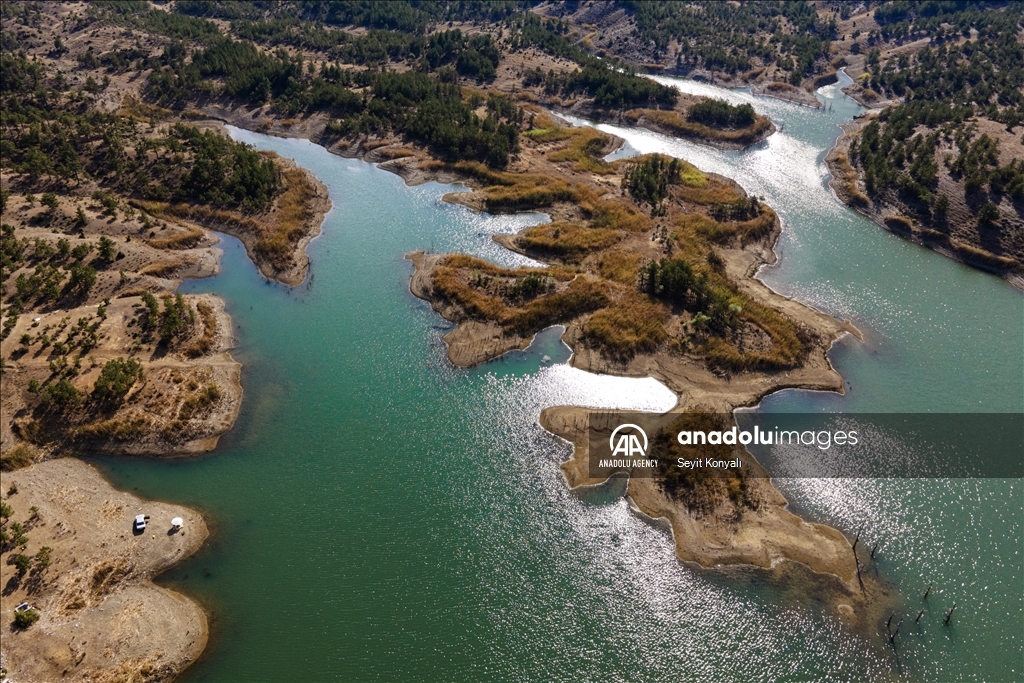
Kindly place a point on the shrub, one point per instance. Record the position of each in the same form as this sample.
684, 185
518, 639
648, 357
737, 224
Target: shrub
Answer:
20, 456
988, 214
43, 558
199, 401
107, 249
25, 618
83, 277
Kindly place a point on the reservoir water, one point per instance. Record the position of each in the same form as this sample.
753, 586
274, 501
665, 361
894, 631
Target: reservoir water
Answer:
379, 515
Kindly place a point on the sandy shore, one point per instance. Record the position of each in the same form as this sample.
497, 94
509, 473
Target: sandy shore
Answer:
101, 616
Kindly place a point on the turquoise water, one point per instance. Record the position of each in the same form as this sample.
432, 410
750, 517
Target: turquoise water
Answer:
380, 515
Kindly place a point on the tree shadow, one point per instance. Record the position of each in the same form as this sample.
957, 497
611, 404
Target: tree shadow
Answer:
11, 585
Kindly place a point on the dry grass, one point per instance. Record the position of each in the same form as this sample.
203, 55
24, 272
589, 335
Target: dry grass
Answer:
724, 233
899, 224
585, 147
108, 574
619, 267
701, 226
848, 177
400, 153
567, 240
532, 191
702, 490
984, 258
139, 670
519, 191
132, 107
22, 455
164, 270
293, 211
789, 346
452, 282
202, 345
553, 133
199, 401
483, 173
635, 324
472, 263
826, 79
115, 429
200, 214
604, 213
186, 240
581, 296
779, 87
713, 191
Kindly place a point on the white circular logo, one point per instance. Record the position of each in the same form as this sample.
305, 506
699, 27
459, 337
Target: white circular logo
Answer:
627, 444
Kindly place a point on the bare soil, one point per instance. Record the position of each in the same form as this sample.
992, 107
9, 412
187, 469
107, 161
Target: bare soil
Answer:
101, 616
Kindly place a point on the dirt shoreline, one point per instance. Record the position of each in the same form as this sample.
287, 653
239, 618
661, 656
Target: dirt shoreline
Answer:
101, 617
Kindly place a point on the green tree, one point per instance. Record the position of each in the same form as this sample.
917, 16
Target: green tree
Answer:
107, 249
177, 317
42, 560
81, 251
61, 394
152, 311
22, 563
83, 277
117, 378
988, 214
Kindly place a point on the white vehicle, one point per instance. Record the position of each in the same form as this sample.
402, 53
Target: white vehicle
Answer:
140, 522
23, 607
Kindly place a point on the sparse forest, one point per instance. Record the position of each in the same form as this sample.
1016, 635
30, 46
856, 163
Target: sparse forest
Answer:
970, 72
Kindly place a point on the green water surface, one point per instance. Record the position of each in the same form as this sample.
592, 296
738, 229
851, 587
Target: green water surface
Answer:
379, 515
